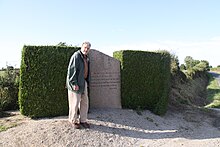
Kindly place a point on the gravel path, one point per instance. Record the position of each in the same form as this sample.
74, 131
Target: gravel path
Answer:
117, 128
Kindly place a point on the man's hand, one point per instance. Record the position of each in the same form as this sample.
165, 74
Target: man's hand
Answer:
75, 87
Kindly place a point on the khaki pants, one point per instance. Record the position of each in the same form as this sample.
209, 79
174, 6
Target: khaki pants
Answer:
78, 101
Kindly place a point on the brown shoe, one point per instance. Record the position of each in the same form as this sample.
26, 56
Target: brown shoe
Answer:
85, 125
76, 126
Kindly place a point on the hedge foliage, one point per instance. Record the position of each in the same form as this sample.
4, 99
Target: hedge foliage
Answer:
9, 89
43, 70
145, 80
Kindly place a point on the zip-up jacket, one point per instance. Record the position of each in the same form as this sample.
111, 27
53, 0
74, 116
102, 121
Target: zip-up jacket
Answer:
75, 73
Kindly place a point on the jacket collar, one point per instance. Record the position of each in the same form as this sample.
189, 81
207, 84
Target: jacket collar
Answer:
82, 55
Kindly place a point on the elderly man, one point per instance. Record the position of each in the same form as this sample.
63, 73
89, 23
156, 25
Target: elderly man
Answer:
77, 77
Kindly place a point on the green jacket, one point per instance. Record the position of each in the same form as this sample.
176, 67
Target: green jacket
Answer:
75, 73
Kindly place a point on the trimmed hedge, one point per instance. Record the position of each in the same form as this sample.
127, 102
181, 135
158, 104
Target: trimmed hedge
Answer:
43, 70
145, 80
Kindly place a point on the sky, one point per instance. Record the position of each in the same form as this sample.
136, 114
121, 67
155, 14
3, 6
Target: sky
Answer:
182, 27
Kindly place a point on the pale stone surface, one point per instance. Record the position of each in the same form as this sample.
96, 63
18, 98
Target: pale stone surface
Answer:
105, 83
114, 128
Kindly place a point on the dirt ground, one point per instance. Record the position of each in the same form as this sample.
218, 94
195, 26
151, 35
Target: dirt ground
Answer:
116, 127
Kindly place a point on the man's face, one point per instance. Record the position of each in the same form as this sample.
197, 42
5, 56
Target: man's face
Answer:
85, 49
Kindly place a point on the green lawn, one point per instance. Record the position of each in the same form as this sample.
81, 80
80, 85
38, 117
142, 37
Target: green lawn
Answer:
213, 91
6, 127
1, 73
216, 69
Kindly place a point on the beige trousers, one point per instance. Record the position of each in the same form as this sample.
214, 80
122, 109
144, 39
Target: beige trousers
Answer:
78, 101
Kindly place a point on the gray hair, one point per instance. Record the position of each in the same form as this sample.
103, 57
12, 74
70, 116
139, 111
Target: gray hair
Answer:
87, 43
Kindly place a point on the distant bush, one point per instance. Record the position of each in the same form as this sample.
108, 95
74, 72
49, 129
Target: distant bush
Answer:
217, 69
174, 65
182, 67
200, 67
193, 68
9, 83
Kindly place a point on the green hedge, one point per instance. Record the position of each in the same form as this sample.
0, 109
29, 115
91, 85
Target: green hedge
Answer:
9, 89
145, 80
43, 70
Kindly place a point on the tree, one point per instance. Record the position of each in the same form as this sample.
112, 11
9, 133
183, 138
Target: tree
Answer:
62, 44
207, 67
174, 63
182, 67
188, 62
195, 62
200, 67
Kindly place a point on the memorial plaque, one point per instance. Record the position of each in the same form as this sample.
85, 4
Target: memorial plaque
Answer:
105, 83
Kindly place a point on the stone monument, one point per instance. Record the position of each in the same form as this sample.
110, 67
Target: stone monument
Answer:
105, 82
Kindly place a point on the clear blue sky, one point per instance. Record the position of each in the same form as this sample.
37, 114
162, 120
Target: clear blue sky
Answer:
183, 27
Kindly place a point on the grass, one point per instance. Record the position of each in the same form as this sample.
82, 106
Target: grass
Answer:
7, 121
213, 91
2, 73
4, 128
216, 69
